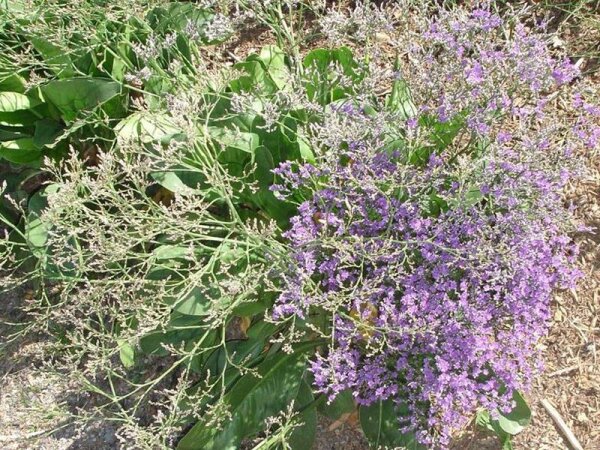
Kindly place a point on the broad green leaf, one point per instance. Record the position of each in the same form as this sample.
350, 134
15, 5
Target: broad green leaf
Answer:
20, 151
13, 101
36, 230
255, 78
323, 58
126, 353
442, 133
176, 16
380, 423
305, 151
71, 96
251, 400
516, 421
274, 60
303, 437
243, 349
54, 56
400, 100
170, 252
198, 301
170, 181
342, 404
46, 132
152, 343
18, 118
320, 66
12, 82
247, 142
144, 127
11, 134
484, 420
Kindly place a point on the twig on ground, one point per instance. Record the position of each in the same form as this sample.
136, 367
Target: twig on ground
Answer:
564, 371
560, 423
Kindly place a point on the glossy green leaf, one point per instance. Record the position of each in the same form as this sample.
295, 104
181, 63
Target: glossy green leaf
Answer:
319, 64
126, 354
252, 400
516, 421
176, 16
36, 230
54, 56
18, 118
144, 127
303, 437
12, 82
152, 343
20, 151
46, 132
380, 423
170, 181
170, 252
197, 301
13, 101
342, 404
274, 60
400, 100
71, 96
247, 142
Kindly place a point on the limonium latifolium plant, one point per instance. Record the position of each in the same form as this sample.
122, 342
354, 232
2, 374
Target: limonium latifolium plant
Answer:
431, 230
220, 244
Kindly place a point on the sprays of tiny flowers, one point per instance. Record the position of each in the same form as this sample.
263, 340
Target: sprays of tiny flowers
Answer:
473, 69
438, 277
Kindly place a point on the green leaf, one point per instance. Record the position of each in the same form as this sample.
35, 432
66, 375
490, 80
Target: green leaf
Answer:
400, 100
12, 82
319, 64
516, 421
46, 132
251, 400
198, 301
36, 230
20, 151
381, 422
175, 16
507, 425
247, 142
342, 404
54, 56
13, 101
18, 118
255, 79
170, 252
170, 181
442, 133
126, 353
79, 94
303, 437
11, 134
146, 128
152, 343
305, 151
274, 60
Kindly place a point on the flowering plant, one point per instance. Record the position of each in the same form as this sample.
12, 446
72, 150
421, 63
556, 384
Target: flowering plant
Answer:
303, 230
431, 234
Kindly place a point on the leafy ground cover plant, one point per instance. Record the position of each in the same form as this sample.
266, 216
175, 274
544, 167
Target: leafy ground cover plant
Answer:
245, 245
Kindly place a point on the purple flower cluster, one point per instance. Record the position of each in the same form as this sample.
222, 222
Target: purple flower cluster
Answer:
437, 277
466, 65
440, 312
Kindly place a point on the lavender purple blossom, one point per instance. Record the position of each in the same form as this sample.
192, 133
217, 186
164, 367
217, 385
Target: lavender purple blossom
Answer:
438, 277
